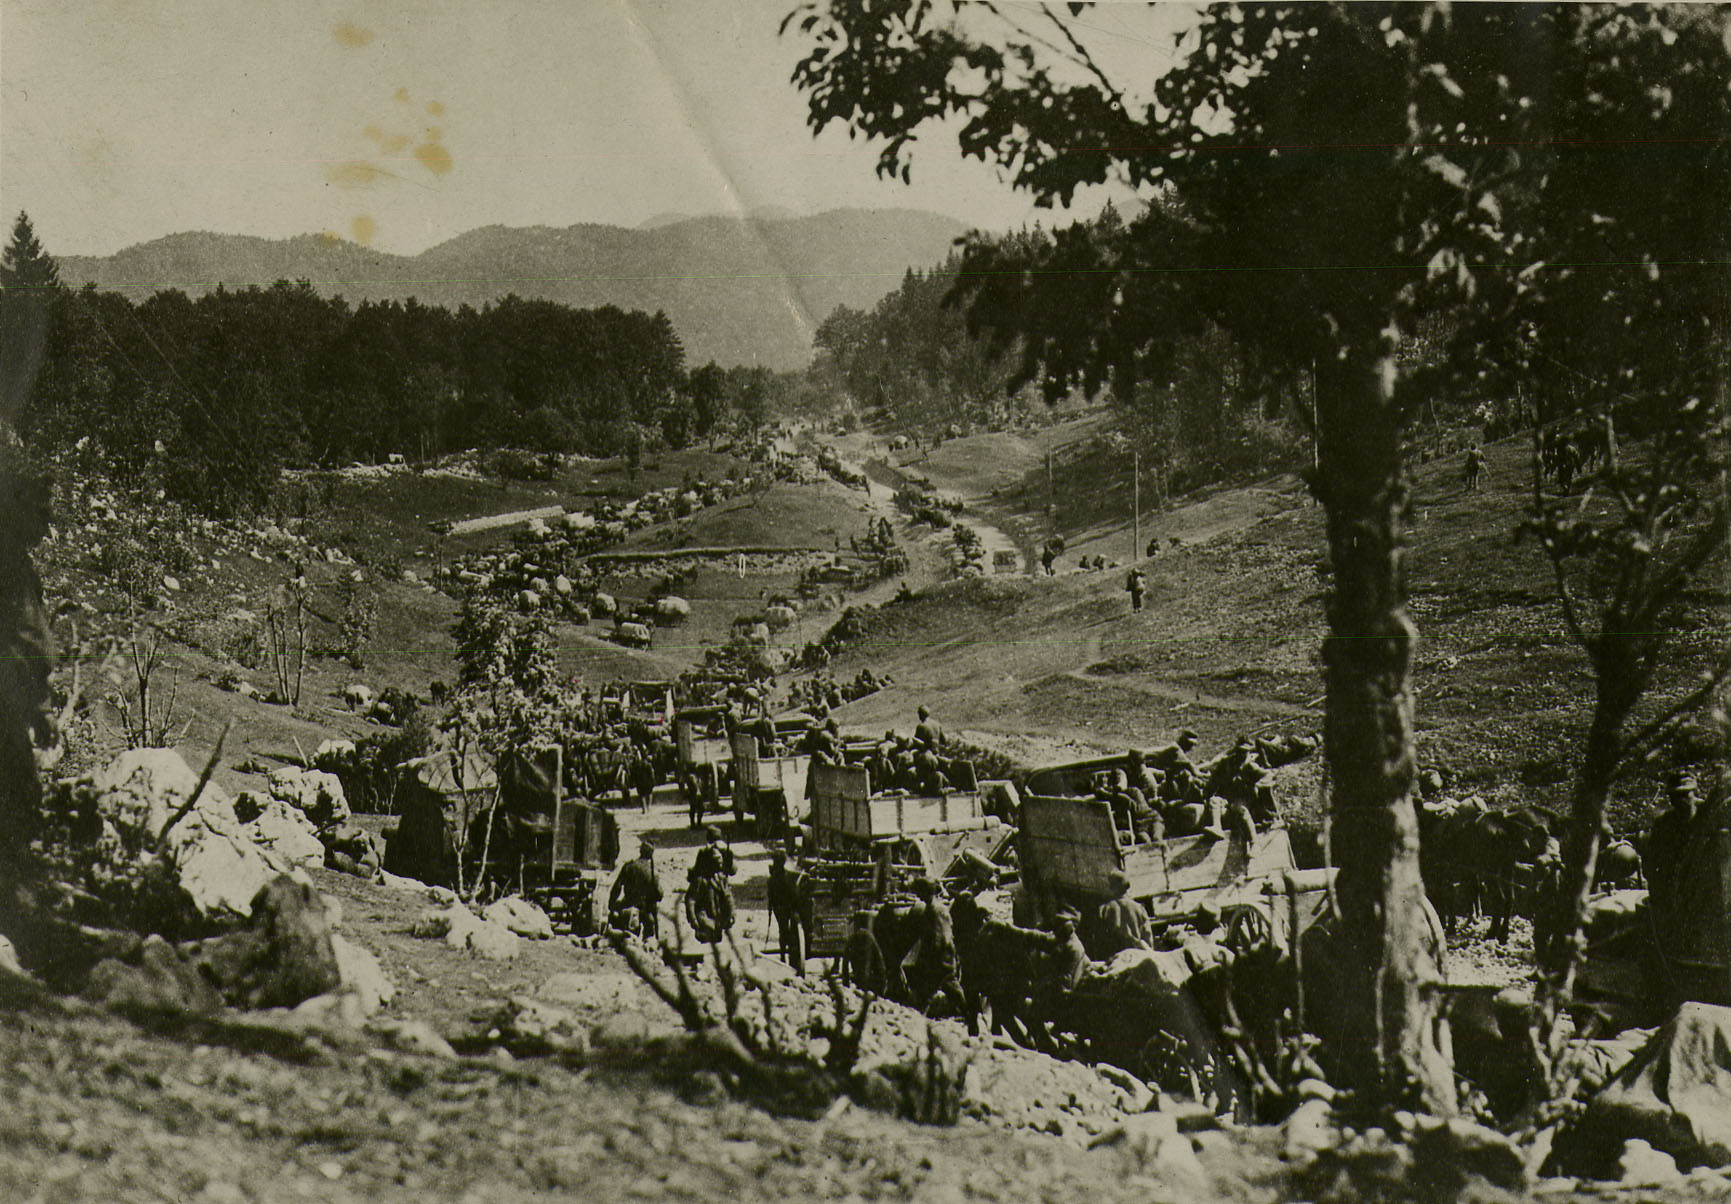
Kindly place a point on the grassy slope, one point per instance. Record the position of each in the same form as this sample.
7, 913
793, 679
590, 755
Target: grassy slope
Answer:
1231, 633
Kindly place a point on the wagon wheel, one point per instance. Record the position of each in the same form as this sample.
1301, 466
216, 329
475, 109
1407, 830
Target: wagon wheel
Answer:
1248, 929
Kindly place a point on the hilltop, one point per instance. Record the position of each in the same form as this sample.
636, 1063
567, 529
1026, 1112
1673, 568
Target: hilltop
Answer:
748, 290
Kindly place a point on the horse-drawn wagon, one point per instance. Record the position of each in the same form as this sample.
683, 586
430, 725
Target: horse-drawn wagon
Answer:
769, 778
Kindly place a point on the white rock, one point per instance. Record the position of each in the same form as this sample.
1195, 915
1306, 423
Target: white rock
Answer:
219, 868
1641, 1165
331, 754
171, 584
562, 585
412, 1036
520, 916
316, 794
463, 929
287, 832
9, 959
362, 974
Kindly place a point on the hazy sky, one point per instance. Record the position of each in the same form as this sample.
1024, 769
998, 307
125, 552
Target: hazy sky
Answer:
400, 123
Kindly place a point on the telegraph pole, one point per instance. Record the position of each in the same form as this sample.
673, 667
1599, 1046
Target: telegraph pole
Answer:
1136, 504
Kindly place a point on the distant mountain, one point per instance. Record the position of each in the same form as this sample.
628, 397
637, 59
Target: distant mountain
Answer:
748, 290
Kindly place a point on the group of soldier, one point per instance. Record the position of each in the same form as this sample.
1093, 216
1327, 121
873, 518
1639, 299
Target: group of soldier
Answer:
1165, 794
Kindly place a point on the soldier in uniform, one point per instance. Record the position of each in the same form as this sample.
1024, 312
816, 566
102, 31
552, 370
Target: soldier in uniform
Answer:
864, 957
929, 734
634, 903
1120, 922
785, 908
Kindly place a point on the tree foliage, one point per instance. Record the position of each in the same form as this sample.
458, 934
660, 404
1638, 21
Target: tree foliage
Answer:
1325, 182
208, 399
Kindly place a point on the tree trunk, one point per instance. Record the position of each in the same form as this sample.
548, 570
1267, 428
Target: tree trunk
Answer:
1390, 1045
1560, 955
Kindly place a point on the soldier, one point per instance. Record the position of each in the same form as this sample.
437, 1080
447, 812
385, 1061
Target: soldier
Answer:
1062, 968
1135, 583
1670, 837
1474, 467
715, 858
1120, 922
864, 957
929, 733
785, 888
1048, 556
933, 967
634, 903
642, 774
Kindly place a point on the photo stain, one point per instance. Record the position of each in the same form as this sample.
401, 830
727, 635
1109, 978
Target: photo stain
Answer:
352, 36
363, 228
354, 173
388, 144
435, 109
330, 236
434, 157
402, 94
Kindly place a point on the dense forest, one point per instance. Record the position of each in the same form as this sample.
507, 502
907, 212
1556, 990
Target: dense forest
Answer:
209, 399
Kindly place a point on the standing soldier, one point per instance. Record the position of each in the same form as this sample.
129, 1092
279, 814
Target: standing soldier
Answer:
634, 904
1048, 556
1136, 583
784, 907
864, 957
1475, 467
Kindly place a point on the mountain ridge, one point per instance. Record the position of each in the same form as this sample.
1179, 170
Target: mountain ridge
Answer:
739, 289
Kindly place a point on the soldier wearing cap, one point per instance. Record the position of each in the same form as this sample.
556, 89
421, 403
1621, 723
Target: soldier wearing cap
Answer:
1671, 834
933, 968
634, 903
929, 734
1063, 966
1120, 923
863, 957
785, 907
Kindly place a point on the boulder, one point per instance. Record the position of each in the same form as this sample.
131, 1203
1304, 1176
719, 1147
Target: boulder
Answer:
669, 610
562, 585
352, 850
358, 695
217, 868
361, 975
333, 756
1640, 1165
462, 929
283, 956
529, 1026
1455, 1150
1675, 1094
316, 794
286, 832
412, 1037
603, 605
163, 982
520, 916
779, 618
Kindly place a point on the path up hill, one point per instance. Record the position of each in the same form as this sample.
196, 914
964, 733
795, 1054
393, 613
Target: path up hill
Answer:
1229, 641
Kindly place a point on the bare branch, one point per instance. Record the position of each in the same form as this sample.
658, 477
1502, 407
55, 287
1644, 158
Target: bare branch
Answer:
203, 781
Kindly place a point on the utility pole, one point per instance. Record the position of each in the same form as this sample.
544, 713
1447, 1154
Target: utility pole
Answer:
1136, 504
1051, 496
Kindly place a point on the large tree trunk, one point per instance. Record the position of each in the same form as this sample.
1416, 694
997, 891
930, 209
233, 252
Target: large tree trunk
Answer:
1390, 1043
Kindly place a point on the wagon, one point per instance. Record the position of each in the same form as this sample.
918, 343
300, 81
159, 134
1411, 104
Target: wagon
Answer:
770, 788
517, 829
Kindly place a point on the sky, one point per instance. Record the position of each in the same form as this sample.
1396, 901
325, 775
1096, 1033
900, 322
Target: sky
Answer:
401, 123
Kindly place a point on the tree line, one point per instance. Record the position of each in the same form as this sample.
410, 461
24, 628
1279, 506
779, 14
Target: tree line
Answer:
209, 399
